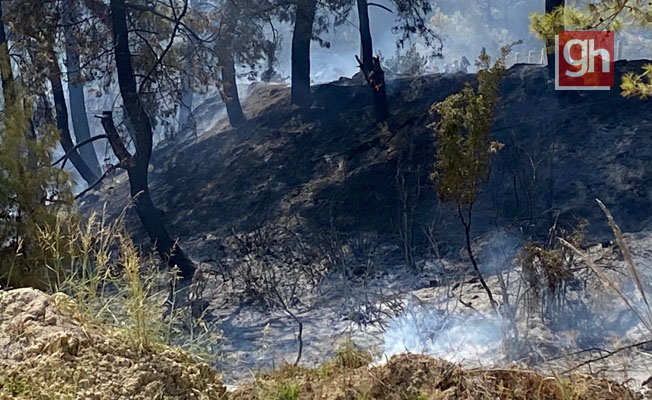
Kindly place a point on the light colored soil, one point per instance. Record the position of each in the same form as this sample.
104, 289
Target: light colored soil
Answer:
47, 352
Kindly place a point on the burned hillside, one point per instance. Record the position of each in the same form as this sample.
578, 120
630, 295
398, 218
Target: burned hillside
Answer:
322, 173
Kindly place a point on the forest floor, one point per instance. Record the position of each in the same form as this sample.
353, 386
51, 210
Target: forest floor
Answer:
326, 188
51, 351
443, 311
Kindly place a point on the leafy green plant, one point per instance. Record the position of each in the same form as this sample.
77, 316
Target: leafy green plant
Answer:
287, 391
464, 145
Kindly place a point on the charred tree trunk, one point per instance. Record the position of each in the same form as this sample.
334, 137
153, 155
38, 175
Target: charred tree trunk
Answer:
551, 5
138, 164
370, 65
229, 91
76, 94
228, 83
270, 49
61, 115
187, 95
366, 43
185, 117
301, 38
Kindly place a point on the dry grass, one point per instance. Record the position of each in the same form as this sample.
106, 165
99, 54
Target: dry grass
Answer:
639, 306
103, 333
50, 351
111, 282
412, 377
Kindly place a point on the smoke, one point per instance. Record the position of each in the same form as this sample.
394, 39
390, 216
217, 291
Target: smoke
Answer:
465, 29
590, 314
458, 336
452, 337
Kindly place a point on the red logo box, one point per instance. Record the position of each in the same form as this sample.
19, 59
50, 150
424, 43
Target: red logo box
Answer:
584, 60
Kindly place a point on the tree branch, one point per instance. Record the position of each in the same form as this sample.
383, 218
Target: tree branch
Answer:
97, 182
117, 145
609, 354
65, 157
380, 6
137, 7
173, 36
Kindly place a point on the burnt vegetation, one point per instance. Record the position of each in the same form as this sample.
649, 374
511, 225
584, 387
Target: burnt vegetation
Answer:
185, 198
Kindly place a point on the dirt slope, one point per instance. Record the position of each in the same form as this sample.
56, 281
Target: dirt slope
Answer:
48, 352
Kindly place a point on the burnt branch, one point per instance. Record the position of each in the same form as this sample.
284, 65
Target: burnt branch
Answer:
65, 157
97, 183
117, 145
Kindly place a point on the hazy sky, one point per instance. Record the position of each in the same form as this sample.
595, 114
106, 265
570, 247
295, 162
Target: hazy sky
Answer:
464, 31
461, 28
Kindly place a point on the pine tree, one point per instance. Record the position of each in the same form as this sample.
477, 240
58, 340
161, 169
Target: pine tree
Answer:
32, 192
409, 62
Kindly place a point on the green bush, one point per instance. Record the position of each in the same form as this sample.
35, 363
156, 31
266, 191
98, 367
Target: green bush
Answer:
32, 193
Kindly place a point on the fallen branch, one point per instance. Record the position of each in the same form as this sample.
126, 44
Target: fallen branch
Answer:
609, 282
609, 354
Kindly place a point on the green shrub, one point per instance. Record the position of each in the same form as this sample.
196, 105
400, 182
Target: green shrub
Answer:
287, 391
32, 193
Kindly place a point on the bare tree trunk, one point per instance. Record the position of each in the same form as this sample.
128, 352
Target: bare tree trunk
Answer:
270, 49
228, 78
370, 65
185, 117
185, 109
466, 222
301, 38
138, 164
76, 93
61, 115
229, 91
551, 5
366, 43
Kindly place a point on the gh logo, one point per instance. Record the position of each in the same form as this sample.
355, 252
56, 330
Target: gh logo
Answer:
584, 60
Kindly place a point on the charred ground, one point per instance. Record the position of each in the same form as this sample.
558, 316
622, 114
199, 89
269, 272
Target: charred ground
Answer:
332, 169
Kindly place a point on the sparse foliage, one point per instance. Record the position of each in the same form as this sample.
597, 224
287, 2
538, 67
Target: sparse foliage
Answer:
32, 192
549, 271
464, 145
408, 62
